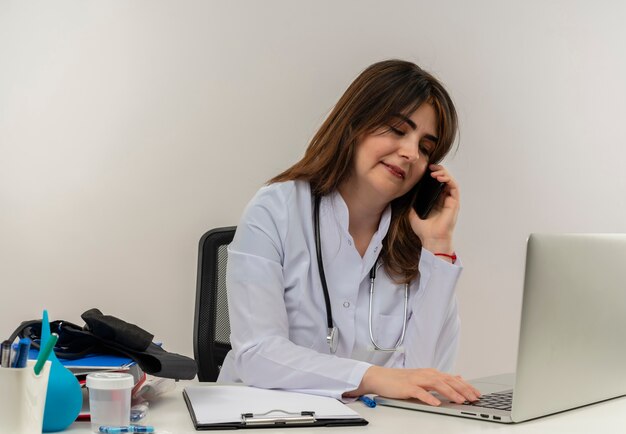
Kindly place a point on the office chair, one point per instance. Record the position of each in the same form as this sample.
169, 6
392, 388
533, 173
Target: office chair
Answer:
211, 329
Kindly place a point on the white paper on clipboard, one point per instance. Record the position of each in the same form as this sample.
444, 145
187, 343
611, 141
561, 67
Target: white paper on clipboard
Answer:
215, 404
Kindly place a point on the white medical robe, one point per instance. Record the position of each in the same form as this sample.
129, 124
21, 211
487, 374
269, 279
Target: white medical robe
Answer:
276, 302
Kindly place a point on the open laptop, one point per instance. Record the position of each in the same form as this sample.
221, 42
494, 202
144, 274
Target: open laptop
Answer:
572, 343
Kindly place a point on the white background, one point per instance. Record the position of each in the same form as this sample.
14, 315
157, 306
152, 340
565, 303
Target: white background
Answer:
129, 128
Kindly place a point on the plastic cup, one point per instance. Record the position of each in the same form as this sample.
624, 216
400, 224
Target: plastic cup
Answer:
109, 399
23, 398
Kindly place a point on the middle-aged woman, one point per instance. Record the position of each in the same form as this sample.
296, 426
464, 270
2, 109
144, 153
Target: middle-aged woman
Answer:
334, 219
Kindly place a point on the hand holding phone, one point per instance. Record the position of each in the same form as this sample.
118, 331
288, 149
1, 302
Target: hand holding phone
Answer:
428, 190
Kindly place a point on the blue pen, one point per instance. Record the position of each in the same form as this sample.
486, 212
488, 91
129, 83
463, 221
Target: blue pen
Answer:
367, 401
21, 356
129, 428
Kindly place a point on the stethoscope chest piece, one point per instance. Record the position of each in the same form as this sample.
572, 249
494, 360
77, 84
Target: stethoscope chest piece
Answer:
332, 338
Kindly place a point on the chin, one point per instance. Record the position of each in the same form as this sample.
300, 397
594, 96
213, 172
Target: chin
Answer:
388, 194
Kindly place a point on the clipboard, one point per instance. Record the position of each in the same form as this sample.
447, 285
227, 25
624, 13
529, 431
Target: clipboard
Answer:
215, 407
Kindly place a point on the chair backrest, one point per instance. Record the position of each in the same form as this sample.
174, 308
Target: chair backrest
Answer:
211, 329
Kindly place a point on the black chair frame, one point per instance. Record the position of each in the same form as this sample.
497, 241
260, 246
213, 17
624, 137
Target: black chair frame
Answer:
209, 352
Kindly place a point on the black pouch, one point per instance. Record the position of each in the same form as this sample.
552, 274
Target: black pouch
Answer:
110, 335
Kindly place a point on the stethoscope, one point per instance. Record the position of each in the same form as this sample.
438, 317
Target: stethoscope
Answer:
332, 337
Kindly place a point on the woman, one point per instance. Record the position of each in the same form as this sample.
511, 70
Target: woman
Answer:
350, 199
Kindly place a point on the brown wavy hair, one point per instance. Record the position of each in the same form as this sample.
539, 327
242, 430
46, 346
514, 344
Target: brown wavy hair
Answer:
372, 101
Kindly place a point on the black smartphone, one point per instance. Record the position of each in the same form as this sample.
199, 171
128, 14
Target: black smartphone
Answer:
428, 190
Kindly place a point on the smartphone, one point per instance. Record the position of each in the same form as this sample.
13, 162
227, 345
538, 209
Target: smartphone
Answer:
428, 190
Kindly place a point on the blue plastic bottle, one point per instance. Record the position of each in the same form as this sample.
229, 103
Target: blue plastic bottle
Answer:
64, 398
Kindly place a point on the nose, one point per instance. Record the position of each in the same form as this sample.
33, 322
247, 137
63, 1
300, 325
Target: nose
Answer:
409, 151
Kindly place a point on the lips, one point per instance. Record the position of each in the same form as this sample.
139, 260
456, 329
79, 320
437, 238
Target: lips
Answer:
395, 170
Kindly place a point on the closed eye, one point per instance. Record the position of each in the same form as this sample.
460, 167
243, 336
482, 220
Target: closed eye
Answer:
396, 131
405, 120
426, 149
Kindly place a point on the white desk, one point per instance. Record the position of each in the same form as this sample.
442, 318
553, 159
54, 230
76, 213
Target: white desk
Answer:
170, 414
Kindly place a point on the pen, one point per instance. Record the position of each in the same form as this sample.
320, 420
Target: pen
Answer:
367, 401
129, 428
44, 353
5, 361
21, 355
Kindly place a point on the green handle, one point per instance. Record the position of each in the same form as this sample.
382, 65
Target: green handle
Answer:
44, 352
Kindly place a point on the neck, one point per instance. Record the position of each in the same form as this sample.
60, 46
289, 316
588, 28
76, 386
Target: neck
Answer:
364, 214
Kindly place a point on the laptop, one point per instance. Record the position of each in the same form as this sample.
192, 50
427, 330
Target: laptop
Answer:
572, 342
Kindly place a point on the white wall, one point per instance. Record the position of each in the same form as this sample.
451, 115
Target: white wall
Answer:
128, 128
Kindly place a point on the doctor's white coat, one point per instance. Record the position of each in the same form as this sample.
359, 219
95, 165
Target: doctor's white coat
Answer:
276, 303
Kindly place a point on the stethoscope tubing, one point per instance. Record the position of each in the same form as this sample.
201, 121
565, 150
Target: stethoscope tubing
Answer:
332, 336
400, 340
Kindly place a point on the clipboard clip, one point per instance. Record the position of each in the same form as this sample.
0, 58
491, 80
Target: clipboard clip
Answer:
283, 418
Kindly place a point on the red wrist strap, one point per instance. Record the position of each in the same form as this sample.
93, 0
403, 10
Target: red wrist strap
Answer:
447, 255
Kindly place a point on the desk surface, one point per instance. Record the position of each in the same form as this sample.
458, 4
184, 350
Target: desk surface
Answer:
170, 415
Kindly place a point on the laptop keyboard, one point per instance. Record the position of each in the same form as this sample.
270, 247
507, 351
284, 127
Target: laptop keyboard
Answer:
499, 400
